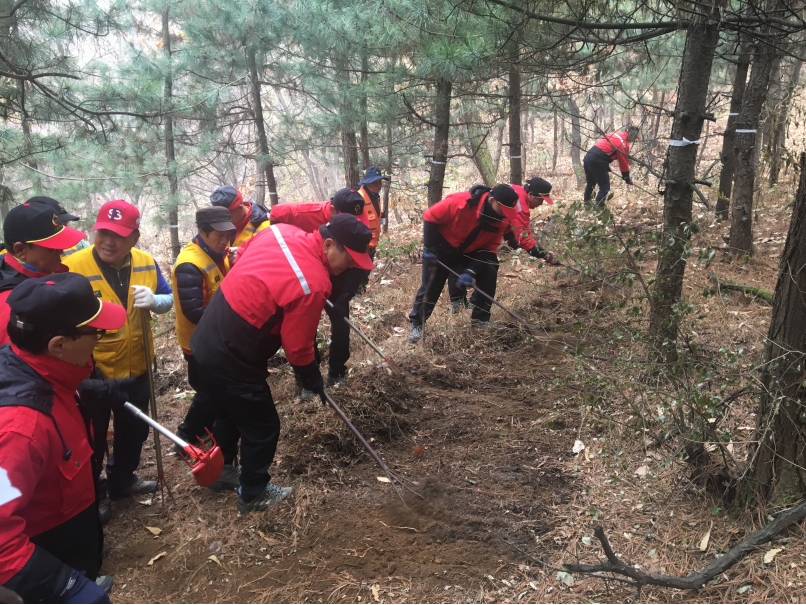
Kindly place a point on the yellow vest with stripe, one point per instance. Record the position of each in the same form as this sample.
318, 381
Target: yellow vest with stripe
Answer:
196, 256
249, 232
120, 354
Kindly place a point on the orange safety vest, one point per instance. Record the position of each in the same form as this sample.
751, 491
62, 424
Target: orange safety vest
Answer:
373, 218
196, 256
119, 354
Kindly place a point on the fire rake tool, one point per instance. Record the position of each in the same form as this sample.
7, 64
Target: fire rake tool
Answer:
393, 477
205, 462
366, 338
144, 317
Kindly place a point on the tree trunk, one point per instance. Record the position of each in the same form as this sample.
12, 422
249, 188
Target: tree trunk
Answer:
477, 147
170, 152
264, 165
439, 159
6, 195
387, 184
741, 220
364, 130
692, 91
350, 151
515, 146
778, 142
576, 141
556, 150
778, 472
727, 155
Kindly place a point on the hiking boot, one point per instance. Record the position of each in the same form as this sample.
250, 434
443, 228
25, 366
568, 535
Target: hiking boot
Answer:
333, 379
458, 305
105, 582
272, 495
138, 488
415, 334
229, 479
483, 323
105, 510
306, 395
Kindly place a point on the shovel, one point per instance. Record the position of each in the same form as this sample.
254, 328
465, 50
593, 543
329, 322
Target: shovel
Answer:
205, 462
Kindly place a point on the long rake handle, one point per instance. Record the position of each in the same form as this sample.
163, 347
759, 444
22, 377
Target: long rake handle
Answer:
155, 425
366, 338
492, 299
153, 392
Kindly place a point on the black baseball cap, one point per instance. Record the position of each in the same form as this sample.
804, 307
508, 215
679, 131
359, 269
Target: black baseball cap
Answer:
507, 197
538, 186
215, 216
61, 211
62, 301
37, 223
348, 201
354, 236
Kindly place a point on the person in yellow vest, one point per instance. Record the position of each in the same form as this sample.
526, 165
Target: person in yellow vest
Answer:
249, 219
370, 189
122, 274
196, 275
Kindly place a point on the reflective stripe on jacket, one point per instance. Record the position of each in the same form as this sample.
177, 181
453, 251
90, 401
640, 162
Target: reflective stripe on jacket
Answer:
211, 276
119, 354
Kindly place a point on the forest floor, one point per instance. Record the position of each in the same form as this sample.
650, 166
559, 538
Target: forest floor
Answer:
507, 500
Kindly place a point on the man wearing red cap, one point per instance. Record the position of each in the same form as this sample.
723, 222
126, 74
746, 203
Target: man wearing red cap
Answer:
272, 297
34, 239
51, 539
463, 231
309, 217
249, 219
122, 274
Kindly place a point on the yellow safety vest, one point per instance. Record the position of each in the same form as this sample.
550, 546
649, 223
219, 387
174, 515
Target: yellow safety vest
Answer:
196, 256
119, 354
249, 232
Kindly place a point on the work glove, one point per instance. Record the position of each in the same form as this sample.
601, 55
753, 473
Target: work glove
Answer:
144, 298
317, 385
539, 252
465, 279
626, 177
232, 256
79, 589
429, 256
105, 392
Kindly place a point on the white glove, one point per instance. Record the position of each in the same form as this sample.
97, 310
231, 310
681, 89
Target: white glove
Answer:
144, 298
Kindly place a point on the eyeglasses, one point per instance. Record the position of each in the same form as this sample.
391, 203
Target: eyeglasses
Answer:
80, 333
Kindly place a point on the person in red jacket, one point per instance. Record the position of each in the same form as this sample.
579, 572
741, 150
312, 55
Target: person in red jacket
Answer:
530, 196
34, 239
272, 297
51, 539
309, 217
612, 146
463, 231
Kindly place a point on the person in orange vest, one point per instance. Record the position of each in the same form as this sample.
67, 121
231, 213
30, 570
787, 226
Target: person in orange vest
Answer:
122, 274
198, 272
612, 146
249, 218
370, 189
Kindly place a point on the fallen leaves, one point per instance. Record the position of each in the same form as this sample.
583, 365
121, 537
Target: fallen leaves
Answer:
565, 577
418, 451
706, 538
154, 530
157, 557
642, 471
214, 559
770, 555
383, 479
578, 446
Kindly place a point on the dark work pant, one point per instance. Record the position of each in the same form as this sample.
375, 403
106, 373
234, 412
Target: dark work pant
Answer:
251, 408
362, 284
345, 287
130, 434
597, 172
485, 265
205, 413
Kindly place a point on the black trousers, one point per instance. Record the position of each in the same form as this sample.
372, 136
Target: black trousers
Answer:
250, 407
345, 287
205, 412
130, 434
597, 173
485, 265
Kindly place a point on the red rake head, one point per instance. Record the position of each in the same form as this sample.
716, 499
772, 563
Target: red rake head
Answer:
205, 463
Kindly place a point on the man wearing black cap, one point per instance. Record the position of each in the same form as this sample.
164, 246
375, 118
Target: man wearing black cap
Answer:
249, 219
463, 231
272, 297
309, 217
34, 239
197, 274
64, 218
50, 534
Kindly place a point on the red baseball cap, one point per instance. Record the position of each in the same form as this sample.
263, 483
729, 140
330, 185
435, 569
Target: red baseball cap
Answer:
118, 216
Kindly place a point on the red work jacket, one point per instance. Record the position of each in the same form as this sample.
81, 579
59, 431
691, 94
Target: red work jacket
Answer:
522, 226
308, 216
616, 146
460, 224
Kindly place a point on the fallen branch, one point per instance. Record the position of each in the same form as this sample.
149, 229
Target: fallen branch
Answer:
726, 284
697, 579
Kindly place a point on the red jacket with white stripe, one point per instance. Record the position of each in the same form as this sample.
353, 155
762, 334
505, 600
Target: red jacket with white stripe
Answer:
616, 146
522, 226
273, 296
460, 221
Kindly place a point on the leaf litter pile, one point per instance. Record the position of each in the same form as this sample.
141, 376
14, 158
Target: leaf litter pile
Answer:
492, 428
